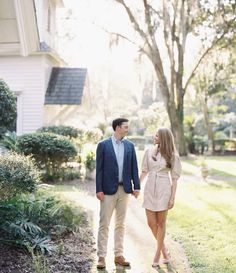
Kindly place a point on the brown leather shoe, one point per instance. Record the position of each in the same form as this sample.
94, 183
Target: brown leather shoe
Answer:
120, 260
101, 263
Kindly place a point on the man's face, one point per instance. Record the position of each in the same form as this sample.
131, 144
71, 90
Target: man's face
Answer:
123, 129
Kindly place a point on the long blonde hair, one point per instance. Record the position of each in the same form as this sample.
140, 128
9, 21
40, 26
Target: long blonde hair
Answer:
166, 146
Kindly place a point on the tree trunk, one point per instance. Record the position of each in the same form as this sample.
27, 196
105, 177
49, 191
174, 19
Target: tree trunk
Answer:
210, 134
175, 113
177, 127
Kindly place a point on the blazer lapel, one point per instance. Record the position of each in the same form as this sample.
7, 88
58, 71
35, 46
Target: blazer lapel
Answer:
125, 152
112, 150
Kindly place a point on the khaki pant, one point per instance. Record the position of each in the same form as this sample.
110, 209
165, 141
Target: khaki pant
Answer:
117, 201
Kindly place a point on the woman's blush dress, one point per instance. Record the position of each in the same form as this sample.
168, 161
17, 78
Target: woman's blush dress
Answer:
157, 190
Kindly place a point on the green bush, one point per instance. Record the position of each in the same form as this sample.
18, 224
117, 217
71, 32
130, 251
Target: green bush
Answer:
29, 221
10, 141
68, 131
49, 150
64, 174
7, 108
18, 174
90, 161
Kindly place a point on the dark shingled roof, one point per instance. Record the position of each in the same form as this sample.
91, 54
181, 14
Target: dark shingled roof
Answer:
66, 86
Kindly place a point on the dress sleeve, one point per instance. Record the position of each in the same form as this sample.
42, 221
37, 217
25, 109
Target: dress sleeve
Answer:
145, 162
177, 168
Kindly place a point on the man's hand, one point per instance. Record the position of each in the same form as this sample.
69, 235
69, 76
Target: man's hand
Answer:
135, 193
100, 196
171, 203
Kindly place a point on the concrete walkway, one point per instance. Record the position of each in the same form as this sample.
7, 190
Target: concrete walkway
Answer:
139, 242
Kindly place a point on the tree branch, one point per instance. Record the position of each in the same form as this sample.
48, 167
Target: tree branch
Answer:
214, 43
134, 22
141, 48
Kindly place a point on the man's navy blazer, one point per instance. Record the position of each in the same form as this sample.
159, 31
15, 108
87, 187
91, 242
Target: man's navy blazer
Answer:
107, 174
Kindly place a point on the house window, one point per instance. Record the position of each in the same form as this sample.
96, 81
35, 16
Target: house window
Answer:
49, 19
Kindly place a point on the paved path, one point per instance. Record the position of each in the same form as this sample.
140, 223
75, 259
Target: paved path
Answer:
139, 242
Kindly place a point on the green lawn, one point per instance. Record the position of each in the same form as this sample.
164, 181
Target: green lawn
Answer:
204, 217
204, 221
218, 165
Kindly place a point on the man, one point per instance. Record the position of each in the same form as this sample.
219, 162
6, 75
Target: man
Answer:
116, 177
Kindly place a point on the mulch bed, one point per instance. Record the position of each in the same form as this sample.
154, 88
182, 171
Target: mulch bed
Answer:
76, 256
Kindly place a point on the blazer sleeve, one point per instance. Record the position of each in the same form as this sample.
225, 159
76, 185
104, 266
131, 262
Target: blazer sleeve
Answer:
135, 176
99, 167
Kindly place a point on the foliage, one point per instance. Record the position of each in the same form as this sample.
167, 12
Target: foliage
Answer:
210, 24
69, 131
7, 108
65, 173
92, 135
90, 161
30, 221
49, 150
198, 204
10, 141
18, 174
153, 117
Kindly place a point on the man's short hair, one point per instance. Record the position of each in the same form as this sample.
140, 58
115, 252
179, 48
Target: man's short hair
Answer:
118, 122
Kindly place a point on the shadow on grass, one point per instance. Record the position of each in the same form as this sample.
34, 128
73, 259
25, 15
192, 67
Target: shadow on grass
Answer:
223, 182
216, 172
221, 211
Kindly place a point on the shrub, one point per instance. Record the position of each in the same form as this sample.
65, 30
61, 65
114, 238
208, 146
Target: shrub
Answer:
64, 174
7, 108
49, 150
10, 141
29, 221
68, 131
90, 162
18, 174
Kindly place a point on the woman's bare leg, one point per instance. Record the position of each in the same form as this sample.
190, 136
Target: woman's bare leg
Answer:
161, 225
152, 223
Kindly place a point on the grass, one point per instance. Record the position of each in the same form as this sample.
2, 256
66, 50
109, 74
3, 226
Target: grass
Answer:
204, 217
222, 166
203, 220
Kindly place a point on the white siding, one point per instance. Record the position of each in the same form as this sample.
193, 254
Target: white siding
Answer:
26, 77
46, 16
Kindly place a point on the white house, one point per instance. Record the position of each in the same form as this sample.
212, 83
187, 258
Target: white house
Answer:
28, 61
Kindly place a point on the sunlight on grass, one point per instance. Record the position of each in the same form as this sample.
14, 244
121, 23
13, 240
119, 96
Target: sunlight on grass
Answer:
218, 165
203, 220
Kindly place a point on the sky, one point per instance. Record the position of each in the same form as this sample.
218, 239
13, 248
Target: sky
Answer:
90, 44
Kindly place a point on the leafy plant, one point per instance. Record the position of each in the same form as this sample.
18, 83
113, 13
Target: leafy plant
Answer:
18, 174
10, 141
49, 150
68, 131
31, 220
7, 108
90, 162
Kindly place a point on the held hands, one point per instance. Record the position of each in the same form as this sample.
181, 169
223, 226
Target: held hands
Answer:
171, 203
100, 196
135, 194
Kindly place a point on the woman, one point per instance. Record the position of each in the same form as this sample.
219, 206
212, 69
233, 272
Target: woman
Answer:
162, 164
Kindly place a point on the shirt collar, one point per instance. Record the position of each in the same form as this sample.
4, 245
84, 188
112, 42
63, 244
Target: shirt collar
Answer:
117, 140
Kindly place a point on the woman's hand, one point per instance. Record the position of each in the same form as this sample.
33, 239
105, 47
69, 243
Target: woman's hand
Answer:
171, 203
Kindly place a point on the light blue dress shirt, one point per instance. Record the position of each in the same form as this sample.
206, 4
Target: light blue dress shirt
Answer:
118, 146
